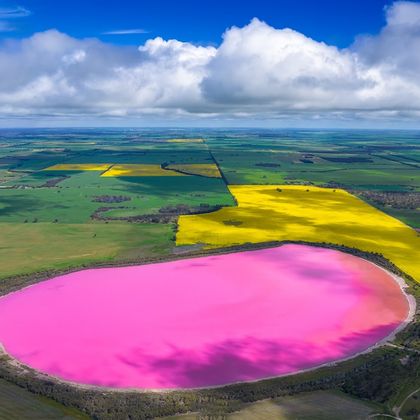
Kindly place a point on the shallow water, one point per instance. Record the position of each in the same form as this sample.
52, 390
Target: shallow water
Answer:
205, 321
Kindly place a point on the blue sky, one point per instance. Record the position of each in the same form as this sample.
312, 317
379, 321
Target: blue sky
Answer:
286, 63
331, 21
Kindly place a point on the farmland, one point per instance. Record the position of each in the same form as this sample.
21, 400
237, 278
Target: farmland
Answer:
34, 247
203, 169
138, 170
18, 404
80, 198
304, 213
319, 405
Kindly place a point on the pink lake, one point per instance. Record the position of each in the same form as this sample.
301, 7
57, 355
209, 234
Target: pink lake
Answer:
204, 321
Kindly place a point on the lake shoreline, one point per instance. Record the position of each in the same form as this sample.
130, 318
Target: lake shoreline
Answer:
400, 281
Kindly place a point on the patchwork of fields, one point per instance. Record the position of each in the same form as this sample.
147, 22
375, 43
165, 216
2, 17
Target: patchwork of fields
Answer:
72, 198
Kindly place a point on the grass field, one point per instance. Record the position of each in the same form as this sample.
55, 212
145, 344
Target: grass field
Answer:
411, 407
33, 247
18, 404
319, 405
300, 213
262, 167
73, 199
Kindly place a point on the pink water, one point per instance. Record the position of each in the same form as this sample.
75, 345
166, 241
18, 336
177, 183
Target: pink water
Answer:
204, 321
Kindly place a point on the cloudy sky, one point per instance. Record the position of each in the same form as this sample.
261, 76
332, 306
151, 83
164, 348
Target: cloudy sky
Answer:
277, 63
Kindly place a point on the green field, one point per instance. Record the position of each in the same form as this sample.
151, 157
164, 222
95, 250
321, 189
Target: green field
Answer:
318, 405
33, 247
411, 407
72, 200
18, 404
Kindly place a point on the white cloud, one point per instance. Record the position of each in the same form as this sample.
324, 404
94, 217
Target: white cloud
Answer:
283, 69
397, 48
405, 13
257, 72
74, 57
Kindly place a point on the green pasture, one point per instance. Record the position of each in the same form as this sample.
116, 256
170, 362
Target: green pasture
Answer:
18, 404
353, 164
72, 200
34, 247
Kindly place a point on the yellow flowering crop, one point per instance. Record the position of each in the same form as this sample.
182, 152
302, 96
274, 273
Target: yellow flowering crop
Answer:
134, 169
185, 141
300, 213
204, 169
79, 167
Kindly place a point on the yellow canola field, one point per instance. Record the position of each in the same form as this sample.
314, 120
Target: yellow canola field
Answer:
185, 141
134, 169
300, 213
79, 167
203, 169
